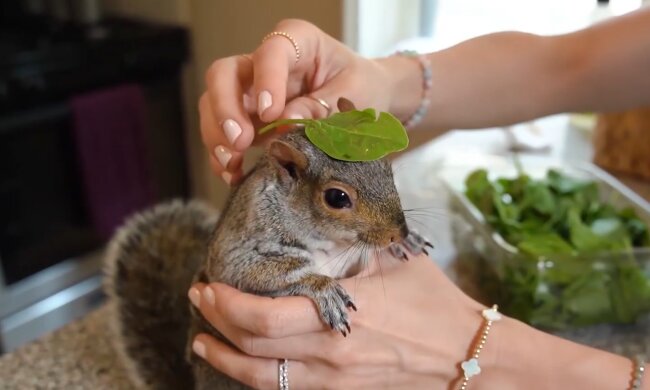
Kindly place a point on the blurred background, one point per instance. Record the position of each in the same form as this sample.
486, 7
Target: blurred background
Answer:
98, 115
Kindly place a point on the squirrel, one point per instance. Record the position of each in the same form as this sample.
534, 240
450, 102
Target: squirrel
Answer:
288, 228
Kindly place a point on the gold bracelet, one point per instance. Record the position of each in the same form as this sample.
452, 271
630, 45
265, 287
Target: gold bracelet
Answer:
470, 367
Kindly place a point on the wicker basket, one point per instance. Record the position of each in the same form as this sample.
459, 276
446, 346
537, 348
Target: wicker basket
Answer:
622, 142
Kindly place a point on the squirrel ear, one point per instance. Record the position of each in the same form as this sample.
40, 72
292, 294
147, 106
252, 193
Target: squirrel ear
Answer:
345, 105
287, 157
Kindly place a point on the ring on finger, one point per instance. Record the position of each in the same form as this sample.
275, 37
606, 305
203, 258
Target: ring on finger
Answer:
322, 103
283, 374
296, 48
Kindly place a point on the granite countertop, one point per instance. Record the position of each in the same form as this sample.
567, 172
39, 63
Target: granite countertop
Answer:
77, 356
80, 355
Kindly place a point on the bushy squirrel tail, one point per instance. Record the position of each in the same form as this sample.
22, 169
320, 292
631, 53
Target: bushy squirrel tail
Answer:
149, 267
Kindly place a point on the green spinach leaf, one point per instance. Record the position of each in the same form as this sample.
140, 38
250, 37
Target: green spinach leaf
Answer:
353, 135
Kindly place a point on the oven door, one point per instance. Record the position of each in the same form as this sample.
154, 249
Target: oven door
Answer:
44, 218
45, 235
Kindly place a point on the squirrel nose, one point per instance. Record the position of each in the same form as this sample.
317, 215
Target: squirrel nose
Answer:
399, 235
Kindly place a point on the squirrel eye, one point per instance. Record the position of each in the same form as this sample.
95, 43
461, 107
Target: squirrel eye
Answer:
337, 199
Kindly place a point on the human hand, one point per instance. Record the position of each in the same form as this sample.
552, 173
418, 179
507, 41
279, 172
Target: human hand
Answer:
412, 327
245, 91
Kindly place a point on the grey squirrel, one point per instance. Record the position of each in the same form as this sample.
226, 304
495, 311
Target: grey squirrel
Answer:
287, 229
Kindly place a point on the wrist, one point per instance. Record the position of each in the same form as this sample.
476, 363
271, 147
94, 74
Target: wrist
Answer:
519, 356
403, 77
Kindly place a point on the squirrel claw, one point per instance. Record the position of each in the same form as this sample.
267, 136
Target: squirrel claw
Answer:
406, 258
347, 325
425, 251
351, 304
427, 243
344, 334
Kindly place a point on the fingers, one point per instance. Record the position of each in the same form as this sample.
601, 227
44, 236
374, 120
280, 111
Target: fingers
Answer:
224, 161
258, 373
271, 318
265, 344
271, 69
225, 121
264, 316
310, 106
306, 107
234, 173
292, 51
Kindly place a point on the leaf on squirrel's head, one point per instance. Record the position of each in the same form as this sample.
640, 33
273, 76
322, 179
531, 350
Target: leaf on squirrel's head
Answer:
351, 134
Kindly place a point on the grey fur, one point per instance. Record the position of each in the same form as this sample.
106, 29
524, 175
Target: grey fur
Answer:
267, 242
149, 268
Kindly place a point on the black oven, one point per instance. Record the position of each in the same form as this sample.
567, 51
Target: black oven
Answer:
44, 215
91, 130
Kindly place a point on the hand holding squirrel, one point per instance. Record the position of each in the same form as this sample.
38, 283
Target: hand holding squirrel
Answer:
404, 336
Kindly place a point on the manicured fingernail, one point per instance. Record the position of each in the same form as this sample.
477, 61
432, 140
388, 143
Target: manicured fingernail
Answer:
264, 101
199, 348
227, 177
195, 296
232, 130
208, 294
296, 116
223, 155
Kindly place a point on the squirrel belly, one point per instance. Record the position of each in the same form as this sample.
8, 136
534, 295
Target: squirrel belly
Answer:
149, 267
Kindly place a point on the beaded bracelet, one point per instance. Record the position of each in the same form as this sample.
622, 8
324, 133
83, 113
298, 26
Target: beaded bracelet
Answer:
425, 64
471, 367
637, 375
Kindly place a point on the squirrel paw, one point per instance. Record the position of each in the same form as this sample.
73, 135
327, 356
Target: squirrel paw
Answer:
414, 243
333, 302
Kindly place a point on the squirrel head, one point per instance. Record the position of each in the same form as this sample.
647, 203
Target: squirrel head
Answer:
343, 201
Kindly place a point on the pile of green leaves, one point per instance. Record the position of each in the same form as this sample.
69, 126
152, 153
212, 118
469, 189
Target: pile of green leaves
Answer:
589, 274
352, 135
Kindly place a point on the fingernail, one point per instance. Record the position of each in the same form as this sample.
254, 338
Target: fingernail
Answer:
232, 130
208, 294
223, 155
195, 296
264, 101
227, 177
199, 348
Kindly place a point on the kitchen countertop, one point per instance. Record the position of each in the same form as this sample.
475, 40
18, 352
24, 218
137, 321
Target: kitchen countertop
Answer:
79, 356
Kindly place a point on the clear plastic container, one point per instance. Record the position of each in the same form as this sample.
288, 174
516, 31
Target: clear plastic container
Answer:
554, 292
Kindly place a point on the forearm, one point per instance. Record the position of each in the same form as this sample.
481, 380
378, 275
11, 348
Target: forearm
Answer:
511, 77
518, 356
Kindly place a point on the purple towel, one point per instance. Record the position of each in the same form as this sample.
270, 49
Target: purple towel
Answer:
110, 133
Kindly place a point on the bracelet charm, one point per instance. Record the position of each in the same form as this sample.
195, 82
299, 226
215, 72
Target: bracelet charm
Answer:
471, 366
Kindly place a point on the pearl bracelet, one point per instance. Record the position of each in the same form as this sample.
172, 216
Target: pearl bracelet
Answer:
421, 111
471, 367
637, 375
